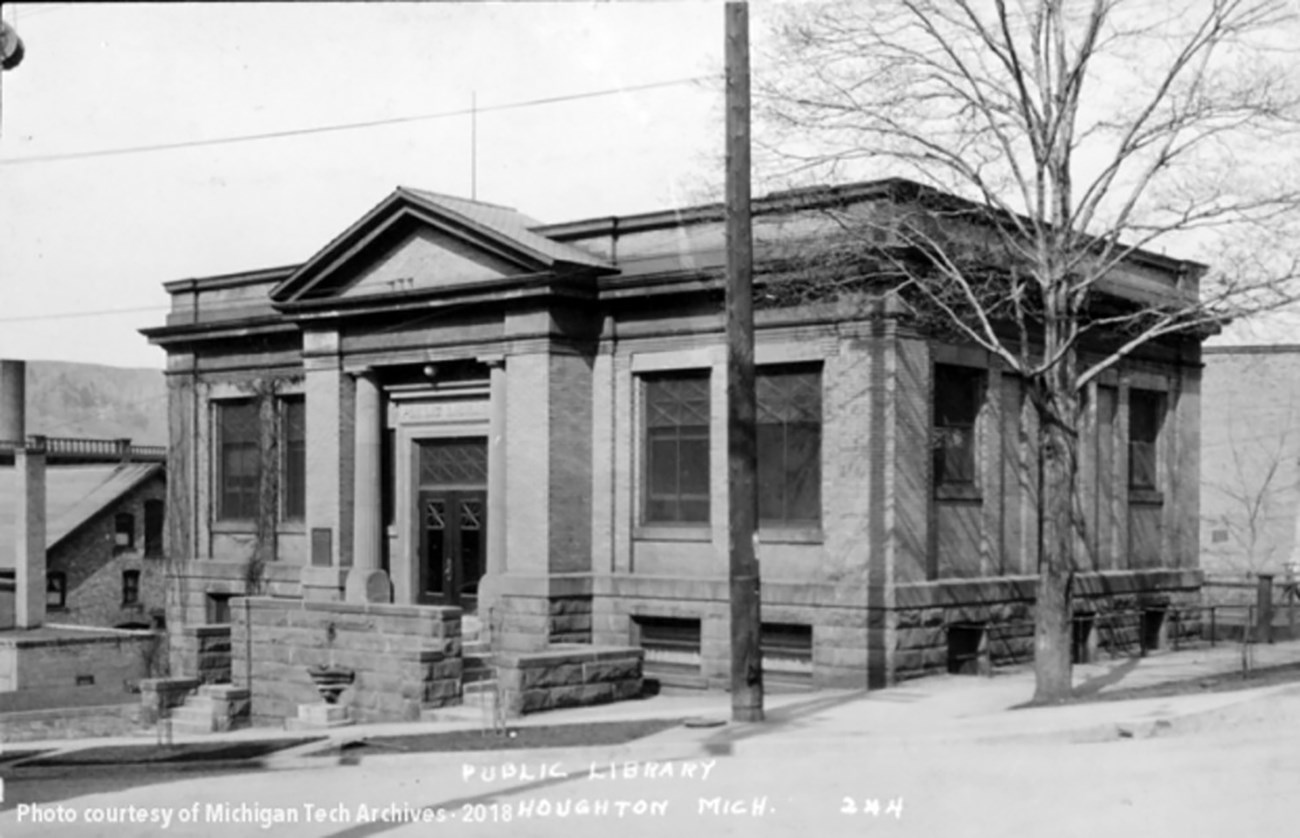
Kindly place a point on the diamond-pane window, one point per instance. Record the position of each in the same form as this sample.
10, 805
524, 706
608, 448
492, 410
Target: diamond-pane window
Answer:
453, 462
471, 516
433, 518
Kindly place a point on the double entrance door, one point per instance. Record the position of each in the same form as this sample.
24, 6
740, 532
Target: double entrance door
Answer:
453, 520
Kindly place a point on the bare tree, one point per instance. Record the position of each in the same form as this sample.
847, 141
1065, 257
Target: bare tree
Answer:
1079, 136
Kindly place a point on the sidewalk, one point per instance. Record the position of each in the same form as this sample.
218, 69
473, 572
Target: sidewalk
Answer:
937, 708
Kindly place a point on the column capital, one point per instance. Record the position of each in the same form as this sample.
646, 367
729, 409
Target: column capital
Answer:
367, 373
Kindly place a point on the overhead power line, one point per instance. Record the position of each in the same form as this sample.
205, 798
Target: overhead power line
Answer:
64, 315
348, 126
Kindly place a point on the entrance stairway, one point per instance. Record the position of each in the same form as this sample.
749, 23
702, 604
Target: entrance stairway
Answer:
213, 708
479, 694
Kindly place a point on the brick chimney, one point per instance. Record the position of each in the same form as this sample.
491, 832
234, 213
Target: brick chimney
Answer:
13, 401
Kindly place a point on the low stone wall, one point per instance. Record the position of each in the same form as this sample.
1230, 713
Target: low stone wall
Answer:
71, 723
568, 676
406, 657
56, 667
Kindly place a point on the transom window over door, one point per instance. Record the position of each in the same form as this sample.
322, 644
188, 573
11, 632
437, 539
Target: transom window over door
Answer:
237, 464
453, 462
789, 445
677, 447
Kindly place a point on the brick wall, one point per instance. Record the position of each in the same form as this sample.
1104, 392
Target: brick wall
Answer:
94, 567
405, 657
570, 464
51, 668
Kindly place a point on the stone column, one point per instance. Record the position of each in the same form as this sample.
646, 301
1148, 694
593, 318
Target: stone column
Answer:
29, 535
496, 488
367, 582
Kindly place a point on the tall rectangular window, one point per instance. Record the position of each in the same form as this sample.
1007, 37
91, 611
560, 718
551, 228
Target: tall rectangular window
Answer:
1146, 410
123, 531
293, 445
789, 444
56, 589
238, 471
130, 587
958, 395
154, 518
677, 448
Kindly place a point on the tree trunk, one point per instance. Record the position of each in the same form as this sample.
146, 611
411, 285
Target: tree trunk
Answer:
1052, 612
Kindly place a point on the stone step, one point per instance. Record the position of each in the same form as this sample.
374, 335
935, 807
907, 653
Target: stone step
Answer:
471, 628
196, 704
192, 722
190, 729
479, 692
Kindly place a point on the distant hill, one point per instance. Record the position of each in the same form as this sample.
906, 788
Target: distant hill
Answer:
89, 400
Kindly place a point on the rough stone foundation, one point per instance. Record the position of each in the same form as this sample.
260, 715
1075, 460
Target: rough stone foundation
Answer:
573, 676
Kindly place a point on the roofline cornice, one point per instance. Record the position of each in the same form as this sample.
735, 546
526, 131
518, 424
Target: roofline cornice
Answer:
234, 280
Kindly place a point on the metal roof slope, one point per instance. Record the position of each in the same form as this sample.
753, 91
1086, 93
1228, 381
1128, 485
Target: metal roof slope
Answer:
73, 495
509, 222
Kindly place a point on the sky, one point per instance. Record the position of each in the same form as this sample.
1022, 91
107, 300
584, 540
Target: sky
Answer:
87, 239
86, 242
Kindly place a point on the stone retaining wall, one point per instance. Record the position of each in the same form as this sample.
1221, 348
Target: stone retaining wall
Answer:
71, 723
573, 676
406, 657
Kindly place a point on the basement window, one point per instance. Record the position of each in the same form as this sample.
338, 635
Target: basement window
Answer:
787, 653
672, 649
968, 649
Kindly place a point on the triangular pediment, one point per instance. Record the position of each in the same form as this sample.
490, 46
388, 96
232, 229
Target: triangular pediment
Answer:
424, 258
415, 241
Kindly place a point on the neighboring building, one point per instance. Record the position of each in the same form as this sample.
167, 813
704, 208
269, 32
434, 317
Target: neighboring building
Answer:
1250, 444
527, 421
104, 552
95, 508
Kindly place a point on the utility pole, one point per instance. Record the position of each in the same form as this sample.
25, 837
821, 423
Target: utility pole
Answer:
742, 453
473, 145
